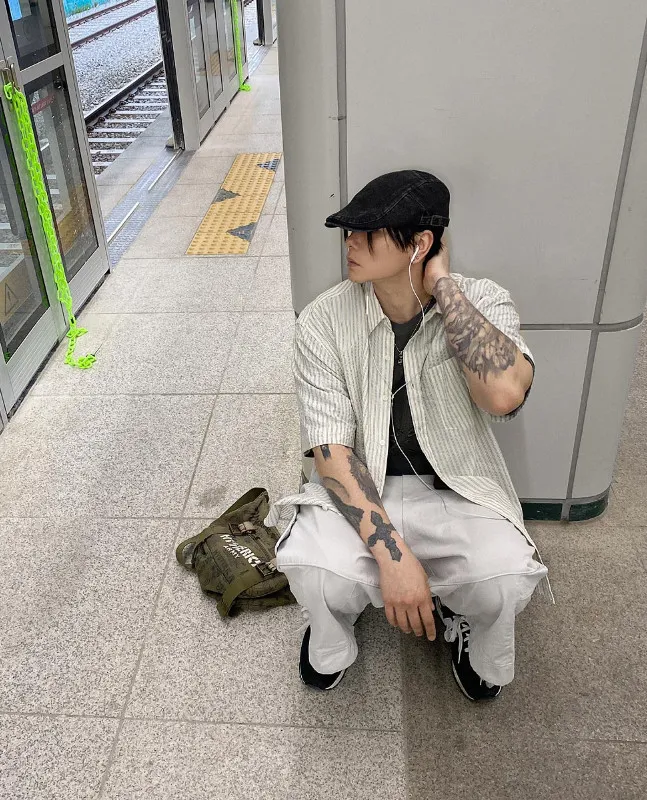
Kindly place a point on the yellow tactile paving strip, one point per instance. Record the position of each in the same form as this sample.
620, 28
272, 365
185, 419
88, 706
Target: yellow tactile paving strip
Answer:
228, 225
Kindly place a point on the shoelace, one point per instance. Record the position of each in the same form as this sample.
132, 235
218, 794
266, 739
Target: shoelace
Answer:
459, 628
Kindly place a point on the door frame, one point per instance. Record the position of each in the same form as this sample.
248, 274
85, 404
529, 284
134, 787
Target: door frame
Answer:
217, 102
50, 329
194, 127
270, 29
98, 264
16, 373
234, 83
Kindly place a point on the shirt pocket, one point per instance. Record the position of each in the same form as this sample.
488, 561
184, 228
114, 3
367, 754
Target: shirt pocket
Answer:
445, 392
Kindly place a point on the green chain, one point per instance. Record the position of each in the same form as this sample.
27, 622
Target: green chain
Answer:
18, 102
238, 47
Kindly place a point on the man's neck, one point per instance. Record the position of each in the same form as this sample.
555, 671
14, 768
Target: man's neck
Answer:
396, 298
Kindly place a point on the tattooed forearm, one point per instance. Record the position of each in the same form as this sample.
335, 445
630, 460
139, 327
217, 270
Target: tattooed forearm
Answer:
384, 533
332, 484
325, 451
360, 472
353, 491
353, 514
481, 347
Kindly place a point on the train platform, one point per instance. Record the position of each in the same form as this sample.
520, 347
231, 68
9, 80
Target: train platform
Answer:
118, 678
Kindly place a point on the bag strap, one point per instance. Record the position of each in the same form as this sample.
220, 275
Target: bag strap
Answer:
236, 588
248, 497
219, 526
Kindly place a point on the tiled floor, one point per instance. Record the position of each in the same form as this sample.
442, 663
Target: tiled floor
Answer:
118, 679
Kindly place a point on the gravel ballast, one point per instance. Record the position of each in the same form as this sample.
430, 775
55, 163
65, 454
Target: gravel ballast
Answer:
105, 65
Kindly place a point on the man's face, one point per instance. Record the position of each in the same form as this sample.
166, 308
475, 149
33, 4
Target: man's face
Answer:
385, 260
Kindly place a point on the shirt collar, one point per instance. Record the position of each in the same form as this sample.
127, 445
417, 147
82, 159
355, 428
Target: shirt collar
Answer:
374, 311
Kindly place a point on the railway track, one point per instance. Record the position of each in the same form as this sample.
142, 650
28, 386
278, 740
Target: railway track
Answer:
115, 124
104, 20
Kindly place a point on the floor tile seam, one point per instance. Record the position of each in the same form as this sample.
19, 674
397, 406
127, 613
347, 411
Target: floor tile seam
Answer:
74, 392
226, 359
612, 740
243, 310
261, 724
188, 258
92, 517
268, 310
181, 313
175, 214
158, 594
251, 285
169, 559
562, 738
204, 313
58, 715
135, 671
181, 182
126, 257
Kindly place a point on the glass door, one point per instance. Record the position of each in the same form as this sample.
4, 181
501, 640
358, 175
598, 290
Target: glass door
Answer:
215, 67
229, 67
199, 55
205, 57
34, 38
30, 323
199, 59
35, 52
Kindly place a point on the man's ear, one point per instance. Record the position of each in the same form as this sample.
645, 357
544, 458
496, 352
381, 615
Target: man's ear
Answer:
424, 241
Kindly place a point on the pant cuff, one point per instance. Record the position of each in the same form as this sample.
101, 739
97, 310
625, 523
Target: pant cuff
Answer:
331, 661
499, 674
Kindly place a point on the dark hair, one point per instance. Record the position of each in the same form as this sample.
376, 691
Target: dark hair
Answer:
403, 238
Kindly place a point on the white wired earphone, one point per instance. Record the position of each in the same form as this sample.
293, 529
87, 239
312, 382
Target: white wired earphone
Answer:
390, 383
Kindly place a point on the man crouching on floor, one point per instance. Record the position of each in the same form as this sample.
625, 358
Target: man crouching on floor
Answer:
399, 371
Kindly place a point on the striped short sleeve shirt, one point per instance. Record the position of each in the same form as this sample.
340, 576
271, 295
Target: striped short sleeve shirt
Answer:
343, 368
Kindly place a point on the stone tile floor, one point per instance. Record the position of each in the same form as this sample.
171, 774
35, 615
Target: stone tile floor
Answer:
117, 677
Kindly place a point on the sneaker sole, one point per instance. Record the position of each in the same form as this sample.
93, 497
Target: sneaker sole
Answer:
328, 688
469, 696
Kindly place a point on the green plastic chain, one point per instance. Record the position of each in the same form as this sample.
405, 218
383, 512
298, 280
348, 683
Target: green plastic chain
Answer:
238, 47
18, 102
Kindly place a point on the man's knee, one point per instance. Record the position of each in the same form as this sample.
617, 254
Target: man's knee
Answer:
313, 585
489, 599
493, 596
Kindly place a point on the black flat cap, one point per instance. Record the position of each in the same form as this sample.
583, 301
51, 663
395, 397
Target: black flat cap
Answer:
398, 199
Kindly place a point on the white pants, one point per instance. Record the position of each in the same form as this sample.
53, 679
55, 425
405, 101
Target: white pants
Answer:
477, 562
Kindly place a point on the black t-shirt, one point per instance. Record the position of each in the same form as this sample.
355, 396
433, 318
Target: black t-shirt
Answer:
396, 463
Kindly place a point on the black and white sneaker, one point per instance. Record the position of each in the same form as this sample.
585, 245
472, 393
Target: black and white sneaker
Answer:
309, 675
457, 632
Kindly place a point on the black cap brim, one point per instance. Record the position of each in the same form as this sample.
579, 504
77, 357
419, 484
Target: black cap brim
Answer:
338, 221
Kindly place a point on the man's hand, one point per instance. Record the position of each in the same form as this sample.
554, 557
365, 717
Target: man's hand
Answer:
402, 579
436, 269
406, 593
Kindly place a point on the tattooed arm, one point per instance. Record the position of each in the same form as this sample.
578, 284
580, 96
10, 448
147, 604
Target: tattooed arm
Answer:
403, 581
353, 491
498, 375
